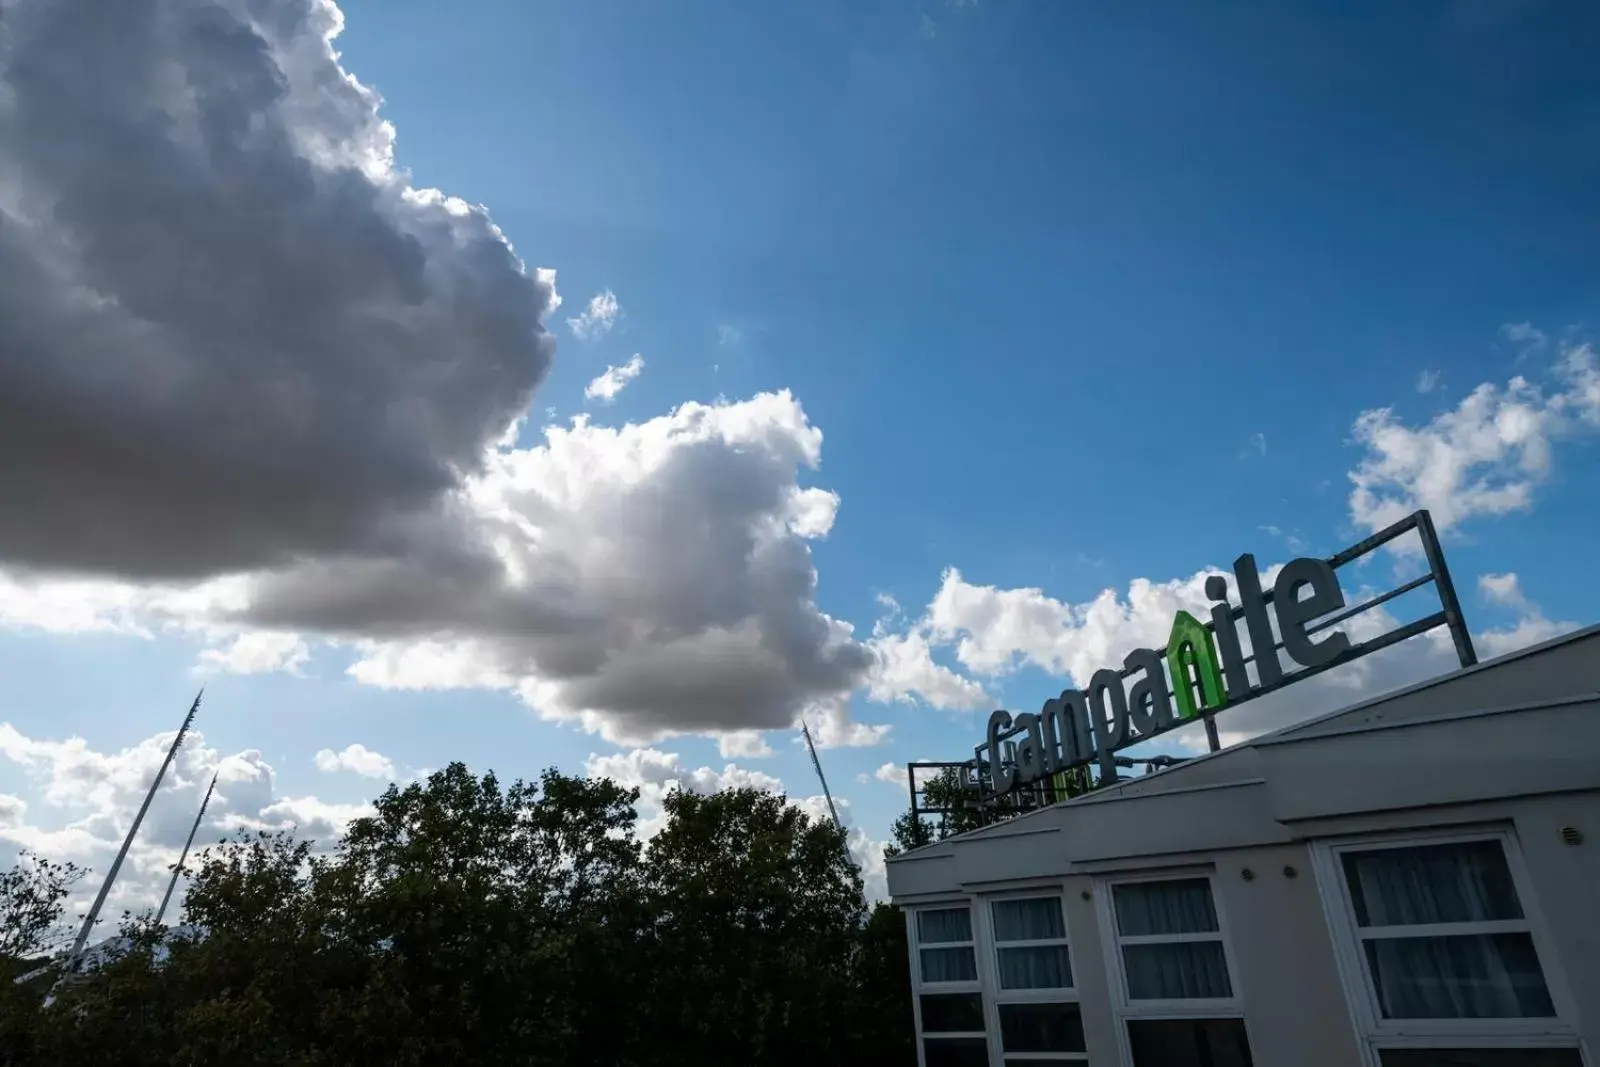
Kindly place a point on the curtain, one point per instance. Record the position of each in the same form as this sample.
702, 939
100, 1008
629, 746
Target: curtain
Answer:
1035, 967
1181, 906
1464, 976
1178, 970
1038, 919
1454, 976
949, 965
938, 925
1459, 882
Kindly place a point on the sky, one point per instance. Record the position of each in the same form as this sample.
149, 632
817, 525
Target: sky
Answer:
608, 386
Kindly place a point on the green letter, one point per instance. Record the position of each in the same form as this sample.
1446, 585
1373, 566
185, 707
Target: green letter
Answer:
1192, 643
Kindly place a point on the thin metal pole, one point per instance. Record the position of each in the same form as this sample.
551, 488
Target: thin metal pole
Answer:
185, 853
815, 762
1454, 619
116, 864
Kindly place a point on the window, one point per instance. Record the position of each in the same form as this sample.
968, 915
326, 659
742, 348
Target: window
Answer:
1030, 939
1040, 1024
1442, 933
1436, 942
1170, 941
950, 1019
1178, 1003
954, 961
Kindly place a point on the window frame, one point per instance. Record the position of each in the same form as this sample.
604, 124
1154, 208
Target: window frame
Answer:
1376, 1033
974, 986
1125, 1009
990, 970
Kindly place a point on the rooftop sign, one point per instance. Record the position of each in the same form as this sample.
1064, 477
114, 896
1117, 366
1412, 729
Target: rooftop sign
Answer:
1204, 667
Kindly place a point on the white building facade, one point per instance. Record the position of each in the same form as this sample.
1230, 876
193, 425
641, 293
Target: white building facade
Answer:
1410, 882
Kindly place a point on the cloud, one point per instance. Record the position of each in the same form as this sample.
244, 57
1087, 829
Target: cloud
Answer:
358, 759
614, 379
656, 773
597, 317
743, 744
1503, 589
1486, 456
906, 672
927, 29
87, 799
258, 652
728, 335
1258, 441
1523, 333
232, 333
1427, 381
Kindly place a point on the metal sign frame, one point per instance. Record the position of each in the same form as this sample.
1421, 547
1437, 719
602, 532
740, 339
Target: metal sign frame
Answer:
978, 775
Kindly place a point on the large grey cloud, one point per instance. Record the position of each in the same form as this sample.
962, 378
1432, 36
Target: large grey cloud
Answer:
231, 332
254, 382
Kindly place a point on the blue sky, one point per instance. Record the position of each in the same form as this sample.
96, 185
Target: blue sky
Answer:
1017, 263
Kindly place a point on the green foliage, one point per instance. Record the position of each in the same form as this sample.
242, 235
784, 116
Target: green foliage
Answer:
470, 922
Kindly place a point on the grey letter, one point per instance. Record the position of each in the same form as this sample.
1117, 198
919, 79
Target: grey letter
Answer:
1294, 613
1001, 778
1111, 733
1248, 580
1030, 753
1149, 708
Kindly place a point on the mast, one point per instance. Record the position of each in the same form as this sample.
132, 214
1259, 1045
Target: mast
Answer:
116, 864
806, 730
185, 853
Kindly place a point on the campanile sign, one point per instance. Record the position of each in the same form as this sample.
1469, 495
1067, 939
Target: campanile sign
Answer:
1235, 655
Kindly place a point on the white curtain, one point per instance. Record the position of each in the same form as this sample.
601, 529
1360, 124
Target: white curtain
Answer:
1456, 976
939, 925
949, 965
1180, 906
1038, 919
1041, 967
1179, 970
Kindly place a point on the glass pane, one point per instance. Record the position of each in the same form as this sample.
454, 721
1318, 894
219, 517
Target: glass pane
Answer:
1188, 970
1041, 1028
1189, 1043
1028, 920
1177, 907
943, 925
1077, 1062
1457, 882
1046, 967
949, 965
1466, 976
952, 1013
956, 1052
1480, 1057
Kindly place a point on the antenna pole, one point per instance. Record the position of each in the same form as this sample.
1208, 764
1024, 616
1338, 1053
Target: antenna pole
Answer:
806, 730
185, 853
116, 864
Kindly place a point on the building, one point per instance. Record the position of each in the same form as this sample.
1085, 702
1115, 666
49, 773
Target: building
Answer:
1410, 882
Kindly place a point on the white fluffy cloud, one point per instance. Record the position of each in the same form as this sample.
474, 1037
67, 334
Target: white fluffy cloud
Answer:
88, 799
1486, 456
743, 744
358, 759
258, 652
614, 379
596, 318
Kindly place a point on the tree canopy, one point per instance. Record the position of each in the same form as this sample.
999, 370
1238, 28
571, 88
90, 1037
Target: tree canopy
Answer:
470, 921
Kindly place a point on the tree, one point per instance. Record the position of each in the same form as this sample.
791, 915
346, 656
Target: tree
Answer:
32, 893
467, 921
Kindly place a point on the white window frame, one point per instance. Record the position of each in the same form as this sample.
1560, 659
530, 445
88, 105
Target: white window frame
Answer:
998, 996
920, 987
1376, 1032
1124, 1008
